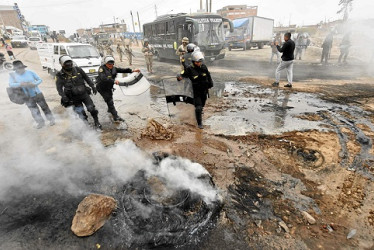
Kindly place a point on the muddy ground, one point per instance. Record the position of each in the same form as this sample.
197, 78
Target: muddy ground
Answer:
273, 153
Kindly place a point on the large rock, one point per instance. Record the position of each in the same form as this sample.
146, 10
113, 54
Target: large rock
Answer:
92, 213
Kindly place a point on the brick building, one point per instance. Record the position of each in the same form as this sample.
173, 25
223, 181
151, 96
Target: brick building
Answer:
9, 17
237, 11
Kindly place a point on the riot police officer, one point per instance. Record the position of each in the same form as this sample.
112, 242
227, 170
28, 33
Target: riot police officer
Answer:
191, 47
201, 80
106, 80
70, 83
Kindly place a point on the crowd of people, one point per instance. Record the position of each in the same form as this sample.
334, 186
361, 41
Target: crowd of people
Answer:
75, 87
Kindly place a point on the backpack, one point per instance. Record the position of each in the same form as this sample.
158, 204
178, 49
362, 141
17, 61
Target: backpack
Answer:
16, 95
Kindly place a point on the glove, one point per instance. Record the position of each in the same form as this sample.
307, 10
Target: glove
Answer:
94, 90
65, 101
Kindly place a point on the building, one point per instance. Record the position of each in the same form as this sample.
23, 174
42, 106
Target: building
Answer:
10, 17
43, 29
112, 28
237, 11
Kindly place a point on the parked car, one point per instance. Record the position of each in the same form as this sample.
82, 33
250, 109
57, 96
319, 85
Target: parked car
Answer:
19, 41
34, 41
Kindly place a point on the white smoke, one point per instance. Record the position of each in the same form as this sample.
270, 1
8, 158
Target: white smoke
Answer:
65, 157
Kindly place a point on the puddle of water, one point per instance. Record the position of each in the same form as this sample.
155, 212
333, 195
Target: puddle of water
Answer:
264, 110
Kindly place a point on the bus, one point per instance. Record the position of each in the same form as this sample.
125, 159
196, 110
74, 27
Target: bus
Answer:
205, 30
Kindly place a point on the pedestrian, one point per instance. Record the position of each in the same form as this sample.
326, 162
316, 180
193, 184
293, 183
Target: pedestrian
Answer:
182, 49
29, 81
45, 39
288, 50
301, 44
344, 47
128, 52
274, 50
119, 51
201, 80
148, 52
71, 86
326, 47
106, 80
2, 41
9, 50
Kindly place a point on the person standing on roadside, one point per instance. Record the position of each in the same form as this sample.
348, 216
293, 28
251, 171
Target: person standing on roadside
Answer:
148, 52
326, 47
182, 49
9, 50
344, 47
274, 50
288, 50
29, 81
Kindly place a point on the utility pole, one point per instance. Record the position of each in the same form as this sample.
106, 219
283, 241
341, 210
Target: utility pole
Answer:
206, 6
210, 7
156, 10
140, 29
201, 4
132, 19
114, 20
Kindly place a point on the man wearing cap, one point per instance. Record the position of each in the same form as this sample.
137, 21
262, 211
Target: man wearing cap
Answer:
182, 49
148, 52
106, 80
70, 83
29, 82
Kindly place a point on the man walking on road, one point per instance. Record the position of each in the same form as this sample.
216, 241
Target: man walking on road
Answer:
29, 81
287, 49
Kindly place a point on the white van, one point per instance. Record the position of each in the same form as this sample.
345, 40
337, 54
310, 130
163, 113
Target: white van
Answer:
34, 42
84, 55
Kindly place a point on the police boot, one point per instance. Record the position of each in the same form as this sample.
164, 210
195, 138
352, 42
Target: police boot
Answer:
117, 118
97, 123
199, 118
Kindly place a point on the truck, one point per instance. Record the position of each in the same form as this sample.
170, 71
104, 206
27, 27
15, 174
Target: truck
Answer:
250, 32
84, 56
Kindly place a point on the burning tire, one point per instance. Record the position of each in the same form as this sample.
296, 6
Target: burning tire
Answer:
151, 214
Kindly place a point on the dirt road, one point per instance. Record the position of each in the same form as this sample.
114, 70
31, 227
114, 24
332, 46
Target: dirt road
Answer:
273, 153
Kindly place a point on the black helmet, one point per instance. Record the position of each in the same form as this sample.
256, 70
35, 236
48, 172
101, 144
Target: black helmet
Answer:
190, 47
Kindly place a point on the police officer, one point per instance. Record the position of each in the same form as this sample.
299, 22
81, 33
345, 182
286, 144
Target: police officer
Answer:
182, 49
70, 83
120, 51
201, 80
187, 57
148, 52
105, 81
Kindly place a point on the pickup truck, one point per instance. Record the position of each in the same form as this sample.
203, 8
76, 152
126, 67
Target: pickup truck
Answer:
84, 56
18, 41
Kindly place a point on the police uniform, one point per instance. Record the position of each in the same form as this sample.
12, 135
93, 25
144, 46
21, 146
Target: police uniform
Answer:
71, 87
104, 85
201, 82
120, 52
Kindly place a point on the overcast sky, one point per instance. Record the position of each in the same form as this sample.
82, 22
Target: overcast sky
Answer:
70, 15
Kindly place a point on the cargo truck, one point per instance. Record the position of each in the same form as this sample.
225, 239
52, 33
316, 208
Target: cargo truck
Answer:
250, 32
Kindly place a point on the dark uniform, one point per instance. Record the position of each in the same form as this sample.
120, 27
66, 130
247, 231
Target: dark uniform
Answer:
201, 82
71, 87
104, 85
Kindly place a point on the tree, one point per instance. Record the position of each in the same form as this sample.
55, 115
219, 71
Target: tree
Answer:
345, 7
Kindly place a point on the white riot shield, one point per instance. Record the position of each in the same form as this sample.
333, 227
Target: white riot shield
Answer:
134, 84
